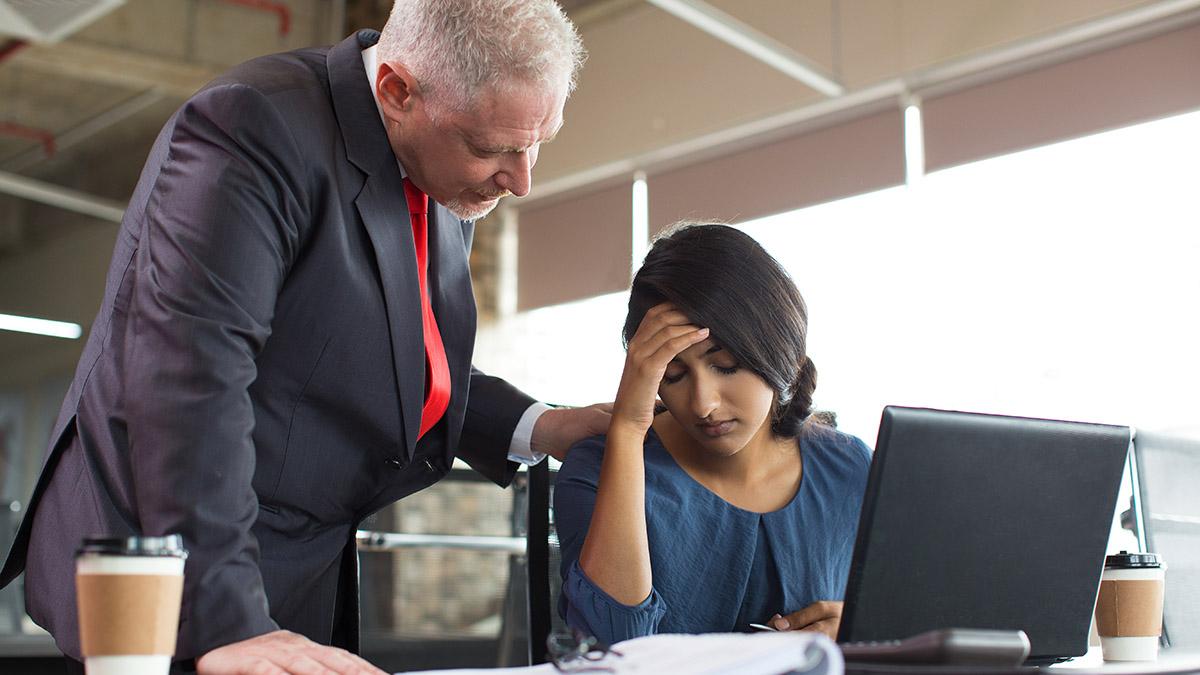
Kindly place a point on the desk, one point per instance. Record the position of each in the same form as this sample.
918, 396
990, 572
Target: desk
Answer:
1170, 662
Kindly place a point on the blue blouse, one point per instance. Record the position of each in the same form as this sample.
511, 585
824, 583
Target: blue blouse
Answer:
716, 567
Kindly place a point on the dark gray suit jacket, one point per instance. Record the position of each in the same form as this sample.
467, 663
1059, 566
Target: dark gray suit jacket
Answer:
254, 378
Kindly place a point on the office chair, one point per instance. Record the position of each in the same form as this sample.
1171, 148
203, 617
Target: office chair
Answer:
543, 559
1167, 472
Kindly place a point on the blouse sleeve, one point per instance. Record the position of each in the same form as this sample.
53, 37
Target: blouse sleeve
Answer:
583, 604
589, 609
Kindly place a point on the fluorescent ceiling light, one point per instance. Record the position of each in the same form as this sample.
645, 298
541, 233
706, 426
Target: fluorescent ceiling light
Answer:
761, 46
25, 324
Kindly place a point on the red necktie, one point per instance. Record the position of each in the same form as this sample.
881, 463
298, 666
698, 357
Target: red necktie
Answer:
437, 370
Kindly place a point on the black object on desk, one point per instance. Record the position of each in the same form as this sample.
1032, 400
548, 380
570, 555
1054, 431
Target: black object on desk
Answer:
949, 646
984, 521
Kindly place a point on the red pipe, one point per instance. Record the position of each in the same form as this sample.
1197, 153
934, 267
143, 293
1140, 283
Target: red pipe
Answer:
285, 14
40, 135
12, 47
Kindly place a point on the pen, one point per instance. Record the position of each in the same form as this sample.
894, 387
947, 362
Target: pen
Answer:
759, 626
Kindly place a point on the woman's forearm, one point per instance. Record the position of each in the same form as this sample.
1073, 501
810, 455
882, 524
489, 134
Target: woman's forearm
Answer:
616, 550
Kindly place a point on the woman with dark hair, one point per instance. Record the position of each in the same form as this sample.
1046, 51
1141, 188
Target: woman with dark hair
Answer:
734, 506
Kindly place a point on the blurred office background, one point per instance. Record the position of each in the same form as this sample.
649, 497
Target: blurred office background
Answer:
989, 205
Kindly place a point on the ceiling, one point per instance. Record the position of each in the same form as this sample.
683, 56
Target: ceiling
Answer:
104, 92
77, 118
651, 80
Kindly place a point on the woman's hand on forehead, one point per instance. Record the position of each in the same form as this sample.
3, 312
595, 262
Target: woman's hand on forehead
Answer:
664, 333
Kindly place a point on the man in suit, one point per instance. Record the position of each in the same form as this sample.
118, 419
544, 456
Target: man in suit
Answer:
284, 345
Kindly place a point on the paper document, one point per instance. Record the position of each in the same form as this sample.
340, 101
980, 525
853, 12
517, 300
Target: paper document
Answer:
711, 654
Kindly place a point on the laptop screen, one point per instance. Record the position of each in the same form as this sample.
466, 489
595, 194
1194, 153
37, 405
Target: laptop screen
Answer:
984, 521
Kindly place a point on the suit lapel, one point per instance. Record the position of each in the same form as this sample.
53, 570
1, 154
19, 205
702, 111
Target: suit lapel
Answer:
384, 213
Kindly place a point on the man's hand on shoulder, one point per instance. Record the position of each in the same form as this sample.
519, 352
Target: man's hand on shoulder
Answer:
558, 429
281, 653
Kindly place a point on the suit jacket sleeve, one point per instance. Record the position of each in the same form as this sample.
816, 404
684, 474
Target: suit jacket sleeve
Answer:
494, 407
217, 236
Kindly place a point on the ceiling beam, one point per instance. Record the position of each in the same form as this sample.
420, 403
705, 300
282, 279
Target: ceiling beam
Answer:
63, 198
90, 127
117, 67
583, 13
1070, 42
754, 42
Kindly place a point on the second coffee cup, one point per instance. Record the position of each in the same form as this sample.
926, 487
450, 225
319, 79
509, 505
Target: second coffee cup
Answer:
1129, 607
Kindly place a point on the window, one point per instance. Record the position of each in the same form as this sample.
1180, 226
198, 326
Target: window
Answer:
1061, 281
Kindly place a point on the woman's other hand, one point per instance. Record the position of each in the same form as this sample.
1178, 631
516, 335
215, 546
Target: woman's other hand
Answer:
823, 616
662, 335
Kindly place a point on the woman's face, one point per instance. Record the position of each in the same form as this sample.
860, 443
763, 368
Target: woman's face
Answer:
720, 404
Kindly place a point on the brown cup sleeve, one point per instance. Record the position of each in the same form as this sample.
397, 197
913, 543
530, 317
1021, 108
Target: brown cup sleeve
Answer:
1129, 608
124, 614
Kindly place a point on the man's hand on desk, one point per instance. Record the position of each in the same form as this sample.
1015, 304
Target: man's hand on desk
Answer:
557, 430
823, 616
281, 653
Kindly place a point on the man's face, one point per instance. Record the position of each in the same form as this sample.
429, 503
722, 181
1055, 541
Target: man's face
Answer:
468, 160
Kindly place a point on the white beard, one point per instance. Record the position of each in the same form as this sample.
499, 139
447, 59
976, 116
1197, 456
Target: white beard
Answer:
464, 212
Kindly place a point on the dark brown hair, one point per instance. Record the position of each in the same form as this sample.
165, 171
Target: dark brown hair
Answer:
724, 280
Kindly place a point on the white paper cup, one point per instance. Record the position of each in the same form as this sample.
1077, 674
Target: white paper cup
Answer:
129, 592
1129, 607
1128, 648
127, 665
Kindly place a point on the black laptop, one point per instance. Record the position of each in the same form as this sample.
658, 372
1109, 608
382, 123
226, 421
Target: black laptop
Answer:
984, 521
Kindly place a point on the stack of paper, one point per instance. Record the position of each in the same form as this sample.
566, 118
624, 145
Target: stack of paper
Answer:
712, 654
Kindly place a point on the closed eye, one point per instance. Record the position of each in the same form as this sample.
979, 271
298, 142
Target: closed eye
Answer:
725, 370
480, 152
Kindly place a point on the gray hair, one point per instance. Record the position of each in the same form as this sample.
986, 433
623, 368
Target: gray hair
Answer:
458, 47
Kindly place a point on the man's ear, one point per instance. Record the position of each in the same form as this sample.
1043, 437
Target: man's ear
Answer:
397, 90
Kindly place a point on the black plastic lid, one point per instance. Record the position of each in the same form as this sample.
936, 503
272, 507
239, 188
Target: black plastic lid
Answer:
1127, 560
168, 546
